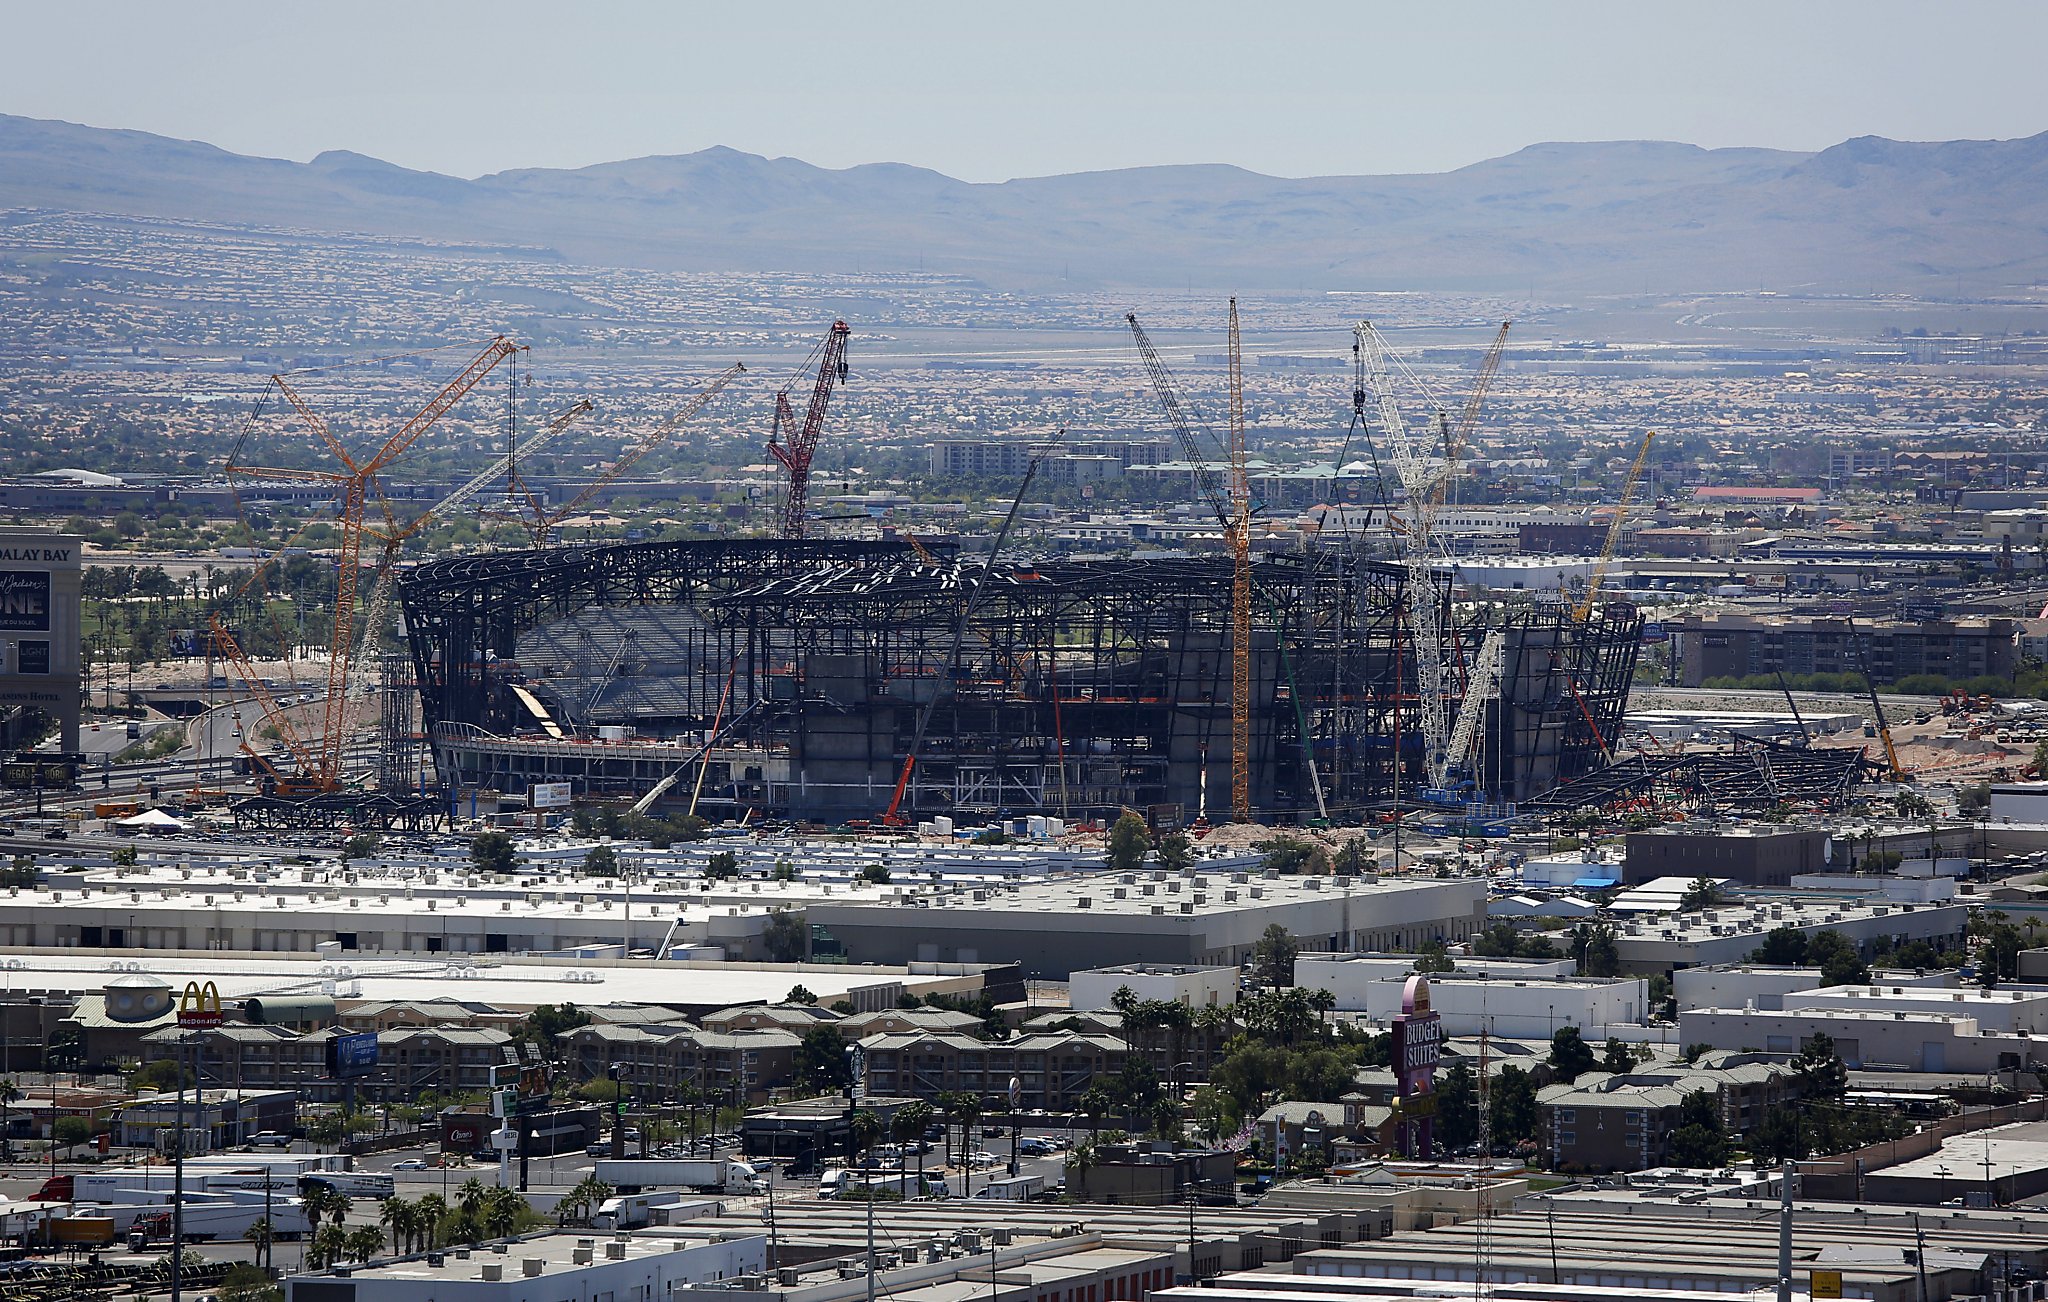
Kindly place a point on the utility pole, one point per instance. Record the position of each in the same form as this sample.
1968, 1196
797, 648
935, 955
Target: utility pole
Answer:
1785, 1233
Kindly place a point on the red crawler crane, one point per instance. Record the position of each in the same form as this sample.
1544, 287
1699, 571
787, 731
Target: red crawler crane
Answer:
802, 442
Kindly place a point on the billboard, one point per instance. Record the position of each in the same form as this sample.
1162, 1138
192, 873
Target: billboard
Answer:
199, 1006
549, 795
25, 601
352, 1056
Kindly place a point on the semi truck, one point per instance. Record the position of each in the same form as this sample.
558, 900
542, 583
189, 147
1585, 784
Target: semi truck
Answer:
225, 1220
842, 1183
709, 1175
1015, 1189
632, 1211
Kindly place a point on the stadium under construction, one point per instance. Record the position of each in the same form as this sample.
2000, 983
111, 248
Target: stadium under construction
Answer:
801, 678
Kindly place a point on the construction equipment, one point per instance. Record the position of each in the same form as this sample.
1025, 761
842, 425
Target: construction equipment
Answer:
542, 523
1481, 686
893, 815
1239, 538
1805, 737
319, 759
1422, 478
1455, 437
394, 538
1233, 514
802, 441
1628, 488
1897, 772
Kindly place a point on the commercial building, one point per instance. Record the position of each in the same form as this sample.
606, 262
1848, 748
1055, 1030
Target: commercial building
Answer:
1625, 1122
1731, 933
540, 1268
1754, 855
2008, 1011
1865, 1039
1766, 985
1469, 1003
1093, 989
1737, 646
40, 641
1191, 918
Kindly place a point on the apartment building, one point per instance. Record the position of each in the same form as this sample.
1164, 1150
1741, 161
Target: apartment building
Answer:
1728, 645
1625, 1122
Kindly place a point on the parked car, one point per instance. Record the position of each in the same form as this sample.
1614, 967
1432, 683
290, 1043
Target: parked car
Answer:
271, 1139
411, 1164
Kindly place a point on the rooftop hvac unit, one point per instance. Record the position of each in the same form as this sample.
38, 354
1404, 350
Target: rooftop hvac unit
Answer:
531, 1267
492, 1272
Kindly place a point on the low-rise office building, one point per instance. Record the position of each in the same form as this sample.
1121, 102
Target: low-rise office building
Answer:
1198, 987
1469, 1003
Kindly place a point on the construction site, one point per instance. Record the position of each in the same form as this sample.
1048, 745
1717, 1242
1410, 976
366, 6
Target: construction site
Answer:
888, 682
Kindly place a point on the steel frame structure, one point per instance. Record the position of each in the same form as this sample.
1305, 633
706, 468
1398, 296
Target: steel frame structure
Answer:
1080, 688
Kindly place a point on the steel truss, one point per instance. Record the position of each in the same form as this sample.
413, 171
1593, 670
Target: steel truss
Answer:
1081, 687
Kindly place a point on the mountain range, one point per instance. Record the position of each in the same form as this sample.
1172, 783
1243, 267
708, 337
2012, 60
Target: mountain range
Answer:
1869, 214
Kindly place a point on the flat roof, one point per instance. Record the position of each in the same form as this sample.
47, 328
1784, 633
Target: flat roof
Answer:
512, 984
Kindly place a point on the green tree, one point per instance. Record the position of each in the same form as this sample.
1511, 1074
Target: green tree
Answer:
785, 936
875, 874
1617, 1059
601, 861
548, 1023
1274, 955
1700, 893
784, 871
492, 852
1699, 1139
1128, 841
1570, 1055
362, 845
72, 1131
1457, 1107
1174, 851
1511, 1106
1594, 946
865, 1128
1782, 947
1836, 957
1434, 958
799, 994
1293, 854
1819, 1069
723, 865
821, 1060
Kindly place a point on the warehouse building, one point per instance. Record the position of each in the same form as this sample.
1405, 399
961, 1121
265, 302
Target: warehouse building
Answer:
1190, 918
1731, 933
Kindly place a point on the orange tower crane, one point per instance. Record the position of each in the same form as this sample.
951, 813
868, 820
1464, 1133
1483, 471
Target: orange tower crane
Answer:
319, 759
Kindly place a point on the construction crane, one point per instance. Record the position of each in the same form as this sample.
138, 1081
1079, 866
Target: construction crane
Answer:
543, 523
319, 759
1232, 506
1422, 479
394, 539
1239, 538
1481, 686
1584, 610
1455, 437
1884, 729
795, 445
969, 600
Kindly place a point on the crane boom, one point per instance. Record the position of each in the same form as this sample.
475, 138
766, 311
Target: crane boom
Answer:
1240, 538
893, 815
1421, 476
1176, 415
321, 764
1628, 488
795, 455
1884, 729
545, 522
1481, 687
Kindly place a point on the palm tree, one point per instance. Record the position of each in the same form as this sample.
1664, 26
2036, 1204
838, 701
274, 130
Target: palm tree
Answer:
949, 1108
431, 1209
363, 1242
400, 1217
1095, 1105
469, 1196
864, 1128
260, 1236
907, 1127
502, 1209
330, 1244
315, 1200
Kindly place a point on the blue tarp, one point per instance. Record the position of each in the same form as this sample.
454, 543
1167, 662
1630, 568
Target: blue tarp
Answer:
1596, 882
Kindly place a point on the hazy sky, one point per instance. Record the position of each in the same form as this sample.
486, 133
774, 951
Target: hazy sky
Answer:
991, 91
